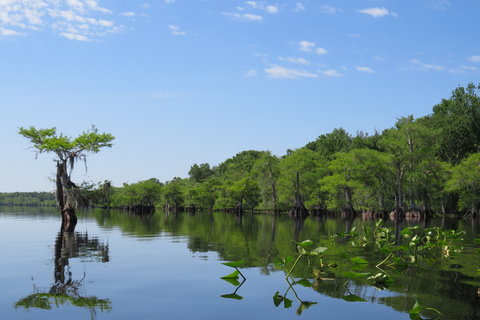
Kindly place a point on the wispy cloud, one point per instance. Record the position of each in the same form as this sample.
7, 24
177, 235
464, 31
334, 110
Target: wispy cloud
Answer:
279, 72
128, 14
295, 60
310, 47
245, 16
375, 12
251, 73
8, 32
329, 10
365, 69
438, 4
474, 58
419, 65
330, 73
271, 9
72, 19
176, 30
299, 7
463, 69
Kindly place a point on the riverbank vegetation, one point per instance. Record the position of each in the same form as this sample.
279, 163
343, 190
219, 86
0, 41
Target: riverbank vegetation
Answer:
418, 167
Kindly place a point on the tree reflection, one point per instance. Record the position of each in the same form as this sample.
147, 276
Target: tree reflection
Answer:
66, 290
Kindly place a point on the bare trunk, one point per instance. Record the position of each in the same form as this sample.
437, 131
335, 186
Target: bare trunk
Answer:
382, 194
66, 201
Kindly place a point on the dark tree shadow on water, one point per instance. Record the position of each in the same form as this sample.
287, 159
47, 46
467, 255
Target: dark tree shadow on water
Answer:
67, 291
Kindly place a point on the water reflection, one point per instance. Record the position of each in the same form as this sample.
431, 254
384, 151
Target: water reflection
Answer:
67, 291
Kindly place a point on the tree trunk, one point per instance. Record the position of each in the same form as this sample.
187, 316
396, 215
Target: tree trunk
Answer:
298, 209
66, 201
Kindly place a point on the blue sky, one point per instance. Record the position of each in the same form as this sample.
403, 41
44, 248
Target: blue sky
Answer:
179, 82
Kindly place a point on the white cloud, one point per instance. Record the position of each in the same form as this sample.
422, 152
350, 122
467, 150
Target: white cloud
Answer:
306, 46
253, 4
245, 16
70, 18
74, 36
8, 32
375, 12
438, 4
329, 10
418, 65
474, 58
299, 7
365, 69
271, 9
295, 60
310, 46
251, 73
463, 69
128, 14
176, 30
252, 17
279, 72
331, 73
144, 5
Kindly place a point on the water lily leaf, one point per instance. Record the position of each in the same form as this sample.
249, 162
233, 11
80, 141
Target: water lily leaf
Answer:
358, 260
277, 299
353, 298
317, 251
301, 250
304, 305
232, 281
304, 244
287, 303
416, 308
280, 263
233, 275
232, 296
353, 275
233, 264
305, 283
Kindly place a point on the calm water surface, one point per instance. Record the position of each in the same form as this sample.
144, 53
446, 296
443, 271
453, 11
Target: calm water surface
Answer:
167, 266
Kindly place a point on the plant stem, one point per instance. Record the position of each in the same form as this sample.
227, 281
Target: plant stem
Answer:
293, 267
388, 257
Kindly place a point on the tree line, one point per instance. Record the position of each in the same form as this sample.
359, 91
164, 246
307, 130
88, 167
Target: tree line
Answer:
419, 166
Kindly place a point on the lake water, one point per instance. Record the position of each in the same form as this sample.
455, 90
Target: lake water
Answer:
167, 266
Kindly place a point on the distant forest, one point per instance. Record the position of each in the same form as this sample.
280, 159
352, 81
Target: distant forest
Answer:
420, 166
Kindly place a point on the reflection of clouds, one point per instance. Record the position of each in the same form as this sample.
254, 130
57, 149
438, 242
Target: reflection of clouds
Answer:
74, 19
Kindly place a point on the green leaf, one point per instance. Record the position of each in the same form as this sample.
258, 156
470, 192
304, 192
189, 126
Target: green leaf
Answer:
277, 299
353, 275
233, 275
233, 264
232, 296
287, 303
353, 298
279, 263
304, 244
416, 308
232, 281
305, 283
317, 251
358, 260
301, 250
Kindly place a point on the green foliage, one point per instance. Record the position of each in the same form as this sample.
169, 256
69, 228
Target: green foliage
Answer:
31, 199
428, 164
47, 140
